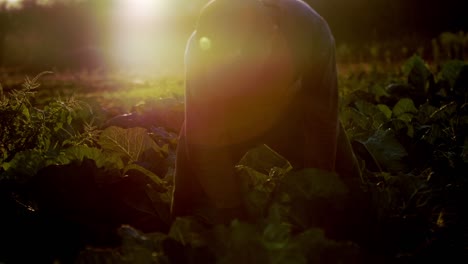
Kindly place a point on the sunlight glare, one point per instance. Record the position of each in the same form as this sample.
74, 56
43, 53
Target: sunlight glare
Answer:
205, 43
142, 9
13, 3
140, 32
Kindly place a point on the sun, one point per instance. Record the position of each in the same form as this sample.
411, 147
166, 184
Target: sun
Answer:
142, 8
139, 31
13, 3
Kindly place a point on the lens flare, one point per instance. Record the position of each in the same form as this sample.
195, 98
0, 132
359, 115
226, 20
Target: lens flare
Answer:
205, 43
138, 32
142, 9
11, 4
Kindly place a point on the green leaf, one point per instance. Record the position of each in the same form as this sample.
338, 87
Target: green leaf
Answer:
63, 116
314, 245
263, 159
386, 110
386, 149
187, 230
256, 189
310, 183
365, 107
378, 90
25, 111
404, 106
353, 118
137, 247
69, 119
410, 63
406, 117
445, 112
376, 116
131, 143
24, 165
450, 71
78, 153
103, 160
146, 172
244, 245
418, 73
425, 112
258, 170
161, 202
276, 235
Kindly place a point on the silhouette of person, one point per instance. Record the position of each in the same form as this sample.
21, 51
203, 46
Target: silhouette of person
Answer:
257, 72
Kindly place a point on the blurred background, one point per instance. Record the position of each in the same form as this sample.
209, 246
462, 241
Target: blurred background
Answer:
150, 35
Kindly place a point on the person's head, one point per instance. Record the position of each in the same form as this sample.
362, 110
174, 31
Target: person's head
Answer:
242, 60
230, 30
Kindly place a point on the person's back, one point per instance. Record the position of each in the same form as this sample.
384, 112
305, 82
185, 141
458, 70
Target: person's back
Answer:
257, 72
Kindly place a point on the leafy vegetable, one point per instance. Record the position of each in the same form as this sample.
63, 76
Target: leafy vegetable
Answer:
404, 106
263, 159
386, 149
78, 153
259, 170
410, 139
450, 71
418, 73
131, 144
310, 183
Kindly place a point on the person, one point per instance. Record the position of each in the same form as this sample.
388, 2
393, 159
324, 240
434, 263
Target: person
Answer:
257, 72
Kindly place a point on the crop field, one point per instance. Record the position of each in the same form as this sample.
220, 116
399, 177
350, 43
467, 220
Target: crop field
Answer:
87, 161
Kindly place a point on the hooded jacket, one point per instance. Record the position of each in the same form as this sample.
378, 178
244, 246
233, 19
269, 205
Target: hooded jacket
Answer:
257, 72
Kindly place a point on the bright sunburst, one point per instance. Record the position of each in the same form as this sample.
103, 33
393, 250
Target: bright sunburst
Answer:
12, 3
137, 31
142, 9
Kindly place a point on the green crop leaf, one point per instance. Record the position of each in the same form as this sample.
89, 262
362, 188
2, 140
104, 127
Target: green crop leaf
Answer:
425, 112
131, 143
375, 116
378, 90
244, 245
263, 159
314, 245
404, 106
259, 170
351, 117
311, 183
256, 190
386, 110
450, 71
366, 108
445, 112
310, 196
418, 73
188, 231
106, 160
386, 149
137, 247
276, 235
78, 153
414, 61
161, 202
24, 165
25, 112
146, 172
406, 117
